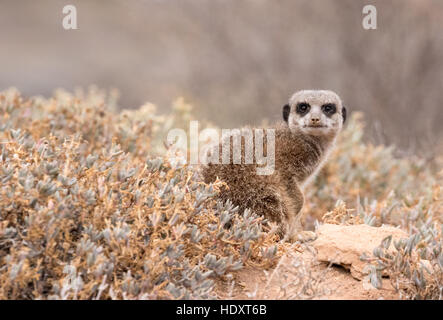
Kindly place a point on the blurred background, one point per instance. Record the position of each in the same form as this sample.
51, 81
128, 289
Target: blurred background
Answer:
238, 61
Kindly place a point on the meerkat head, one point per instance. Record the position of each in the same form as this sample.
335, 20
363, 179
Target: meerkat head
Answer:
315, 112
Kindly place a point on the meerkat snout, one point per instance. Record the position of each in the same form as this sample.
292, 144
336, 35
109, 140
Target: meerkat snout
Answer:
315, 120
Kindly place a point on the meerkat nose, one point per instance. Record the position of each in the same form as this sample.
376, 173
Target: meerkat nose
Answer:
315, 120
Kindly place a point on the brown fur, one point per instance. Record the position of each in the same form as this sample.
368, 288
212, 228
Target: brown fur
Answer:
278, 197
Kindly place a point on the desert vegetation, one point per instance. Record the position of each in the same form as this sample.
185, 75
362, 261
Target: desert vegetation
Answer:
93, 206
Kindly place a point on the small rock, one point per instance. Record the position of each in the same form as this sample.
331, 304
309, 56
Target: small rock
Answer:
344, 245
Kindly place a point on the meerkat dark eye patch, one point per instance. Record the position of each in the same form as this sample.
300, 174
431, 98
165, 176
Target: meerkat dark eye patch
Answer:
329, 109
303, 108
286, 111
343, 113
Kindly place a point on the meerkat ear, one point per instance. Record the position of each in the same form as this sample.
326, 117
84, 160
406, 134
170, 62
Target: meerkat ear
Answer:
343, 113
286, 110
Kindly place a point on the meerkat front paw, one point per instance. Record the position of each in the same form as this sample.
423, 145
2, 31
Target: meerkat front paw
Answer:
304, 236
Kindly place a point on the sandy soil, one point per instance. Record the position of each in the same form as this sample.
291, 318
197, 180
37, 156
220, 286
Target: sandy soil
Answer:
299, 275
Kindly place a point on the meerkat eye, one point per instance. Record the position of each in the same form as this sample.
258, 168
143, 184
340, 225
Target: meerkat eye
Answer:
329, 109
303, 108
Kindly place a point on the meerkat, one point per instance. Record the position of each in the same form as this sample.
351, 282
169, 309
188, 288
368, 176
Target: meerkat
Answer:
303, 140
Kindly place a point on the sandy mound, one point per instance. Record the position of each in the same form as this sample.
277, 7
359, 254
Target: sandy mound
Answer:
344, 245
328, 268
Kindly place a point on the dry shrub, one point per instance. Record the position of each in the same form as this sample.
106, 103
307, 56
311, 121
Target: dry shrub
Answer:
341, 215
415, 267
86, 213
